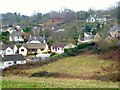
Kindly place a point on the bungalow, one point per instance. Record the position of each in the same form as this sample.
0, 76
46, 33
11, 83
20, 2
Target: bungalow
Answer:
59, 47
33, 48
9, 60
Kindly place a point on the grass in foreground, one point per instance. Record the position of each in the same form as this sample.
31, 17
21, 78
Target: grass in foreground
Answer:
82, 65
25, 82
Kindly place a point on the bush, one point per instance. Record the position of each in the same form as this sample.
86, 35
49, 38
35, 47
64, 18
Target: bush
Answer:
54, 55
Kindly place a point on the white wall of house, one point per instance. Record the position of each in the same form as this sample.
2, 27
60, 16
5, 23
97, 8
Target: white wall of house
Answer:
15, 38
18, 38
10, 38
6, 64
1, 51
20, 62
9, 51
86, 35
23, 51
58, 50
92, 19
15, 49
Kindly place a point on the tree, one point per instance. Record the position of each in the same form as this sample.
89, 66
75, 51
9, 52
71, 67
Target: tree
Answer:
5, 38
87, 28
73, 34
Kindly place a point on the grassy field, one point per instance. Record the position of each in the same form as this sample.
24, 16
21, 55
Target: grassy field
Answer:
25, 82
72, 72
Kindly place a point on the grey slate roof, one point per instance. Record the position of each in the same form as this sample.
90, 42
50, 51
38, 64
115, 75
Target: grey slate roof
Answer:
59, 45
13, 57
5, 46
37, 38
115, 28
16, 33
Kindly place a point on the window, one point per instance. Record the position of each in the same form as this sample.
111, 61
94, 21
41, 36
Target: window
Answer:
8, 50
42, 49
15, 62
22, 50
53, 48
18, 37
9, 62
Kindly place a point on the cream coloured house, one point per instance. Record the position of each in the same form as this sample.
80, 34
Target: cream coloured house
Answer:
33, 48
23, 51
35, 45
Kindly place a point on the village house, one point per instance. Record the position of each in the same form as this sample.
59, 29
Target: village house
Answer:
8, 49
88, 37
16, 36
114, 31
95, 18
35, 45
59, 47
10, 60
91, 19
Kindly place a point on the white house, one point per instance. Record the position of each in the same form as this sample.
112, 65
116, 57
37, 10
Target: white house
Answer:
91, 19
16, 36
59, 47
96, 18
8, 49
88, 37
10, 60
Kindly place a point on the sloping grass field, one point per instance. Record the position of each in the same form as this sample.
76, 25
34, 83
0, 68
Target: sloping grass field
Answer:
83, 71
